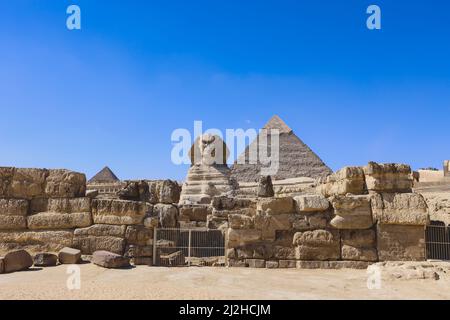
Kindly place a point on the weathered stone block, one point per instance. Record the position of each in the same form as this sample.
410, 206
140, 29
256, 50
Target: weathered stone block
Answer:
358, 253
287, 264
69, 256
2, 265
111, 260
102, 230
35, 241
239, 237
352, 212
27, 183
194, 213
269, 224
89, 244
50, 220
271, 264
6, 176
139, 235
256, 263
344, 181
12, 222
390, 177
332, 264
68, 205
62, 183
276, 205
265, 187
240, 221
168, 215
311, 203
401, 208
317, 245
17, 261
121, 212
400, 242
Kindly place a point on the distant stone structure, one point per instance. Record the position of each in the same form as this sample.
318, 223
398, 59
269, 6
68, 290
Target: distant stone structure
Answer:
296, 159
447, 168
105, 182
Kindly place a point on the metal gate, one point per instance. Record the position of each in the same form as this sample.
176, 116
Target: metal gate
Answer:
188, 247
437, 238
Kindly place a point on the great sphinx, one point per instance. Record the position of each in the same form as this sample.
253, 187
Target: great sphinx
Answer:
209, 174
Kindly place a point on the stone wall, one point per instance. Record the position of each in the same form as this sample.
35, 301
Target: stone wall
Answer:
46, 210
361, 215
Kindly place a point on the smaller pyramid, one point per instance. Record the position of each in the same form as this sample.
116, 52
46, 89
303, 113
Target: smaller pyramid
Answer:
104, 176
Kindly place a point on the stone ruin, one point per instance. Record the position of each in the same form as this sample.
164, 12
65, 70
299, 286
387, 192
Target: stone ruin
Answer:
350, 218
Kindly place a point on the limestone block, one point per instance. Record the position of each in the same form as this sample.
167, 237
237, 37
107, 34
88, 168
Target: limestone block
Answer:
310, 203
168, 215
311, 221
35, 241
271, 264
232, 203
151, 222
358, 254
90, 244
256, 263
240, 221
287, 264
68, 205
98, 230
237, 237
359, 245
400, 242
317, 245
352, 212
45, 260
139, 235
27, 183
111, 260
120, 212
346, 180
237, 263
276, 205
265, 187
69, 256
332, 264
12, 222
63, 183
6, 176
281, 252
391, 177
136, 251
194, 213
401, 208
17, 261
268, 224
50, 220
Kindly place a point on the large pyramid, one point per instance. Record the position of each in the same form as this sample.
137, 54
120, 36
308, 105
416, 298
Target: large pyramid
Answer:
104, 176
296, 159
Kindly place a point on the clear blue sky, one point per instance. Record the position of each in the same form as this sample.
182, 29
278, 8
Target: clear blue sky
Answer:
112, 93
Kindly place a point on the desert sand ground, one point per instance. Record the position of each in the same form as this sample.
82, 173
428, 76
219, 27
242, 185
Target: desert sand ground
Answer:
144, 282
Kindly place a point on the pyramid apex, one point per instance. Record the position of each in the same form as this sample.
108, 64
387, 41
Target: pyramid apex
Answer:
277, 123
105, 175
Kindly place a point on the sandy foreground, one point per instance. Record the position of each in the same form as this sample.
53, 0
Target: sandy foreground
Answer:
144, 282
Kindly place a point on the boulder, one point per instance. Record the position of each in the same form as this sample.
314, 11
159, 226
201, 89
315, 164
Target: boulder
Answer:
51, 220
168, 215
265, 187
45, 260
35, 241
401, 208
63, 183
120, 212
346, 180
69, 256
276, 205
390, 177
400, 242
111, 260
317, 245
17, 261
352, 212
311, 203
